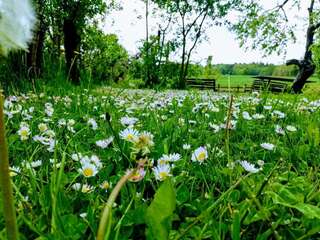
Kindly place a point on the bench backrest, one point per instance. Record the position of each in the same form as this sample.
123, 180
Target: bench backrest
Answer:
271, 85
201, 83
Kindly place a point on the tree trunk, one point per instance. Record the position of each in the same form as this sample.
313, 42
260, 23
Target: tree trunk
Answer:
148, 80
306, 70
35, 53
182, 77
306, 65
72, 47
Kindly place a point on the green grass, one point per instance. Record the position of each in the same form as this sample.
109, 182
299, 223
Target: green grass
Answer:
211, 196
235, 80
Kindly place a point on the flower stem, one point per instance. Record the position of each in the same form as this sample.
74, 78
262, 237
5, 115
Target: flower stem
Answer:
5, 181
105, 220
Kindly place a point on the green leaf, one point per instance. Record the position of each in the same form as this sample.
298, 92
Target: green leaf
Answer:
308, 210
159, 213
263, 214
287, 198
183, 194
73, 227
135, 216
236, 226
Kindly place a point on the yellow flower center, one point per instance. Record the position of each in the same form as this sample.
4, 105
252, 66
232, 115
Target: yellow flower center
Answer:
24, 133
162, 161
130, 137
201, 156
105, 185
163, 175
88, 172
144, 140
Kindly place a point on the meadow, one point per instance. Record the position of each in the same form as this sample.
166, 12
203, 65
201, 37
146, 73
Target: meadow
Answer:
198, 164
235, 80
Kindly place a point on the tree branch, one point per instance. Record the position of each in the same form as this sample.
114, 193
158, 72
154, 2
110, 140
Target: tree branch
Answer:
293, 62
310, 10
196, 19
196, 40
315, 27
283, 4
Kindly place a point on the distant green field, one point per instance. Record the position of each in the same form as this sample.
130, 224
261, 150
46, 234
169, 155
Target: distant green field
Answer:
235, 80
241, 80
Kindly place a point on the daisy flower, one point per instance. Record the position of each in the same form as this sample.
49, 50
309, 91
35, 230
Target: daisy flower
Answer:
145, 139
199, 155
89, 170
96, 161
267, 146
128, 121
186, 146
24, 132
129, 134
93, 124
14, 171
215, 127
162, 172
42, 127
291, 128
138, 175
246, 116
105, 185
249, 167
104, 143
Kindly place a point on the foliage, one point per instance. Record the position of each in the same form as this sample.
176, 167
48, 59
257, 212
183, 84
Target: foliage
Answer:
154, 55
269, 29
159, 213
283, 70
257, 69
106, 59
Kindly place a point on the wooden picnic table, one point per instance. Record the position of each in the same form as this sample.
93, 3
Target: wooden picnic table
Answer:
280, 79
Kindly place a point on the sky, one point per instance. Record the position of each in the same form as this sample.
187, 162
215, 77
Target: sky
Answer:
129, 25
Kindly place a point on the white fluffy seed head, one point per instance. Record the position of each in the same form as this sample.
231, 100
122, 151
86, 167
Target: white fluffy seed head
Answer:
17, 19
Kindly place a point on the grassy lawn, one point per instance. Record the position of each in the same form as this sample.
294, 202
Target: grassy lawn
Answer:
235, 80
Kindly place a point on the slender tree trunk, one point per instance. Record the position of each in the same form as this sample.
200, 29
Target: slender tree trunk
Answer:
182, 83
72, 47
148, 77
34, 56
35, 53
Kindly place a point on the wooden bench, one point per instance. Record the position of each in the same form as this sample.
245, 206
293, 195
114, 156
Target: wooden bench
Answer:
201, 83
268, 83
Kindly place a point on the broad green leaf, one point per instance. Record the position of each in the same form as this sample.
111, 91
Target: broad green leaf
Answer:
160, 211
308, 210
262, 214
286, 198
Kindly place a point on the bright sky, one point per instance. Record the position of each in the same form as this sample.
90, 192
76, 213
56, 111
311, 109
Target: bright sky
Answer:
221, 44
